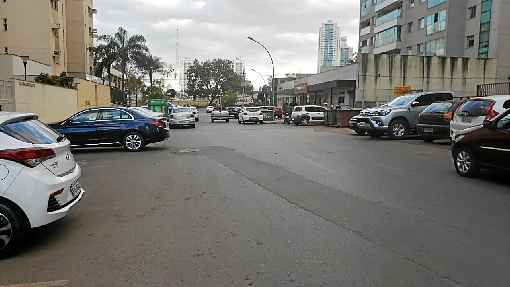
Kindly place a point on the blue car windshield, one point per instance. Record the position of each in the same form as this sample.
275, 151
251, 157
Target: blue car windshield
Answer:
402, 101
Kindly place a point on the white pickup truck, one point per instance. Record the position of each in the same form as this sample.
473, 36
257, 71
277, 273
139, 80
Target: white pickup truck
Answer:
220, 115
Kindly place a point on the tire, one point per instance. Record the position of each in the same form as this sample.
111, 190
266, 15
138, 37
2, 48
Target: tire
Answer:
134, 142
13, 229
194, 126
465, 162
374, 135
228, 121
360, 132
212, 121
239, 121
398, 129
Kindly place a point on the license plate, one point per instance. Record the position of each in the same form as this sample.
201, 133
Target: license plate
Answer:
75, 189
428, 130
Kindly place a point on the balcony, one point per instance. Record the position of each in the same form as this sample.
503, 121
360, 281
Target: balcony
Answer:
365, 31
385, 3
365, 50
387, 25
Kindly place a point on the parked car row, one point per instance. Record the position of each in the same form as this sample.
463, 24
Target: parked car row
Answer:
479, 128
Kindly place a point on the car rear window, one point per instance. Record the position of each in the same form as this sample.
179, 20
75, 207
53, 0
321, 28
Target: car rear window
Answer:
438, 108
31, 131
314, 109
477, 108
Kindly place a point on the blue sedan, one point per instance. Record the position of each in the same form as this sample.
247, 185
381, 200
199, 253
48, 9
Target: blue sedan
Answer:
113, 126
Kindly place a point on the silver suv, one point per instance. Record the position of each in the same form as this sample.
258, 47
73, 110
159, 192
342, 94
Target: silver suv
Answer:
399, 117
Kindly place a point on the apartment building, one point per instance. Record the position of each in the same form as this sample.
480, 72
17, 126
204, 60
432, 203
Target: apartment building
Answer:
57, 33
80, 36
329, 46
35, 29
346, 52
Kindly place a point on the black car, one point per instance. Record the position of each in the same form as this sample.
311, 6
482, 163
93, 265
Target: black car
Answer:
434, 121
113, 126
233, 112
486, 147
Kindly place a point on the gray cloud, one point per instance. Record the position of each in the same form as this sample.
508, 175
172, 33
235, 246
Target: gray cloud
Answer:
218, 28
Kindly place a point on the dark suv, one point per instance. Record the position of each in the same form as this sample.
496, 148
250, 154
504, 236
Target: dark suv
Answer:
486, 147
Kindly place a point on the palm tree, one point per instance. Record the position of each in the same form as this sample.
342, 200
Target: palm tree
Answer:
130, 48
105, 55
150, 65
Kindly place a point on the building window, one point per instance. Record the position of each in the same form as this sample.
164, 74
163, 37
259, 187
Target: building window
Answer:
433, 3
436, 47
388, 36
390, 16
485, 28
409, 27
54, 4
472, 12
5, 24
364, 43
410, 50
419, 48
6, 50
422, 23
411, 3
436, 22
470, 41
365, 4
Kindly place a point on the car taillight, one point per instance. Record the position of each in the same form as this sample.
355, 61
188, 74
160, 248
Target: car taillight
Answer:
491, 113
448, 116
30, 157
159, 124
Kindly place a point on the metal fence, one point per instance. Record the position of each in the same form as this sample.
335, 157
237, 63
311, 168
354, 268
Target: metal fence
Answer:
493, 89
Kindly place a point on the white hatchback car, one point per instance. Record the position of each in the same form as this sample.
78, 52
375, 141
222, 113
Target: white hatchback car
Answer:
474, 112
251, 115
38, 177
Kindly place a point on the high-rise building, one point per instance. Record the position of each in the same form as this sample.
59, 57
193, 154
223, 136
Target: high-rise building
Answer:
238, 66
80, 36
329, 46
456, 28
346, 52
57, 33
36, 29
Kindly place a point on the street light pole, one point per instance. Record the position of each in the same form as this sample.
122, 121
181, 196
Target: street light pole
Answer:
263, 81
272, 63
25, 62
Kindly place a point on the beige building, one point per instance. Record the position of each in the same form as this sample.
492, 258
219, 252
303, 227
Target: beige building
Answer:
80, 36
35, 29
57, 33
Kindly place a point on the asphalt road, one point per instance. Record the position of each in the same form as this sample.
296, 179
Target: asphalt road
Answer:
275, 205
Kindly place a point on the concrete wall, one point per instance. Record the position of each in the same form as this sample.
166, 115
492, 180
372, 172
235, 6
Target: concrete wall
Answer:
12, 65
91, 94
380, 74
7, 95
51, 103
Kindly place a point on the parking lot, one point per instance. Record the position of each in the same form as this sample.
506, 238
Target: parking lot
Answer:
275, 205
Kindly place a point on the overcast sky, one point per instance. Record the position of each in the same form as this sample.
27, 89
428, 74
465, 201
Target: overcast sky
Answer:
218, 29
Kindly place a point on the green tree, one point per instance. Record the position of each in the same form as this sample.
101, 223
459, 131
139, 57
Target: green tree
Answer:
151, 65
229, 99
211, 79
105, 55
129, 49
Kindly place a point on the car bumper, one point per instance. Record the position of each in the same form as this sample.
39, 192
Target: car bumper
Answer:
434, 131
184, 122
369, 124
34, 191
